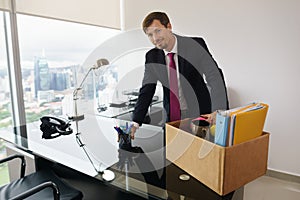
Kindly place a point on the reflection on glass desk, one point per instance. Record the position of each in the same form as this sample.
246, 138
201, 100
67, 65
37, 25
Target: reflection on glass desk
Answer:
119, 108
142, 171
123, 110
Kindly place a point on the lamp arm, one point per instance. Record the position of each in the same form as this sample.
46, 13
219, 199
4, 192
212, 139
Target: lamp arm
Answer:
77, 117
106, 174
80, 86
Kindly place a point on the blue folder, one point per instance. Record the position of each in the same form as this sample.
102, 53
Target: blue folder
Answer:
222, 121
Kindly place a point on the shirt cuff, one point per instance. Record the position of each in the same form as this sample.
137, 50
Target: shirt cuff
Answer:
136, 125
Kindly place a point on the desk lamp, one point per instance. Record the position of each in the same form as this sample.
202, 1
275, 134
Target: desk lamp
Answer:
107, 175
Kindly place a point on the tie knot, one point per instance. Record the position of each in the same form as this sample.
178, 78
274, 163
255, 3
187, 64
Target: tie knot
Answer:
170, 55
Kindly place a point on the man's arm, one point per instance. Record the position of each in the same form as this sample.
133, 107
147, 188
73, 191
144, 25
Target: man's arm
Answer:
214, 77
144, 100
203, 44
146, 94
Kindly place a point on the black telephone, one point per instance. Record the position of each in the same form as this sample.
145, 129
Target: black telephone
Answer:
53, 126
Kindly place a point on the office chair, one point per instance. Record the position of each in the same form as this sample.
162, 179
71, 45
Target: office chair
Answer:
43, 184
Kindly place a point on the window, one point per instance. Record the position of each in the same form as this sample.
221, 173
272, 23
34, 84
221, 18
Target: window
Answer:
52, 52
5, 105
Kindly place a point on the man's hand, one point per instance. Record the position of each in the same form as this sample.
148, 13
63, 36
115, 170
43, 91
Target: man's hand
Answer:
132, 132
211, 118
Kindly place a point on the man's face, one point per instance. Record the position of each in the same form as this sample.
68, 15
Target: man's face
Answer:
160, 36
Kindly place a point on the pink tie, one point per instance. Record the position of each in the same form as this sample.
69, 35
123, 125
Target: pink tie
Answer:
174, 102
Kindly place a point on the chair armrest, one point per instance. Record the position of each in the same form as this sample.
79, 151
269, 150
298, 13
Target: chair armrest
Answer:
23, 162
56, 193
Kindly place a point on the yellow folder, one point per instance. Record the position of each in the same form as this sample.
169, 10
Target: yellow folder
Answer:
249, 123
232, 113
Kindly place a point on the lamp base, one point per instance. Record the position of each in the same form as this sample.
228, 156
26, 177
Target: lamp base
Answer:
108, 175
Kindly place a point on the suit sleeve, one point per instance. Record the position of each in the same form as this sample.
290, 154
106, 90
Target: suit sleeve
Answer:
146, 93
215, 79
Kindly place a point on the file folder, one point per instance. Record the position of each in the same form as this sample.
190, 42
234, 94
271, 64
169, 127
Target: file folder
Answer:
232, 114
222, 121
240, 124
249, 123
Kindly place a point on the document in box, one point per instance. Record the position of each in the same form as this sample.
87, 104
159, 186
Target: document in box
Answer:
231, 125
222, 121
240, 124
247, 123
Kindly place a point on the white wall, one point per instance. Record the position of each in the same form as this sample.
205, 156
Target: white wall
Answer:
257, 44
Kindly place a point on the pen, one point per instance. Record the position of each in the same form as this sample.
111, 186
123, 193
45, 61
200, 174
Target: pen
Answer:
128, 130
119, 130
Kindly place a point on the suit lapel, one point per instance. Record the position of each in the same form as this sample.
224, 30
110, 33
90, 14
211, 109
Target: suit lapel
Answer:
162, 68
183, 70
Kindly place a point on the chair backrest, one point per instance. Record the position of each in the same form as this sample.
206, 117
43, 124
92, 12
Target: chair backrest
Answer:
43, 184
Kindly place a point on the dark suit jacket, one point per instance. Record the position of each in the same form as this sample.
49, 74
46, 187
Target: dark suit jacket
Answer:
194, 61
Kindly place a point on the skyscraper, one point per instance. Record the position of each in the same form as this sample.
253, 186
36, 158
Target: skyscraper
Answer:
42, 75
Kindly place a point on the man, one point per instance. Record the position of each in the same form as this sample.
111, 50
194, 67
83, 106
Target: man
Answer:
189, 60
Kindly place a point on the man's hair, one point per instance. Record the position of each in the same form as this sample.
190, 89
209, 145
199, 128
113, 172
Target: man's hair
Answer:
161, 16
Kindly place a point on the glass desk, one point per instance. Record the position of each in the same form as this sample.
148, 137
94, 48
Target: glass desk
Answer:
143, 172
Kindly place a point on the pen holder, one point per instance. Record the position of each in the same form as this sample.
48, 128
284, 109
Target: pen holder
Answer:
124, 138
125, 141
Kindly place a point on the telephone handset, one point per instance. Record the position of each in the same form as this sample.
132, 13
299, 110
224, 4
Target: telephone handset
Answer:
53, 126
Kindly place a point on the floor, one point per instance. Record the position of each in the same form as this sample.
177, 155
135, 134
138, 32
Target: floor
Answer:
269, 188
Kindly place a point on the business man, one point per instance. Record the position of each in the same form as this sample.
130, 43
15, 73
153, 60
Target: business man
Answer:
180, 64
